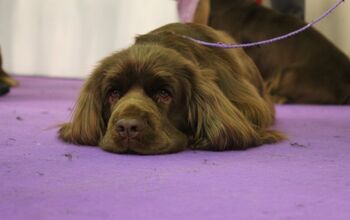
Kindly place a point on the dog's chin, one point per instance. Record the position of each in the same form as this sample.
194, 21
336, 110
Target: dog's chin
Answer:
136, 148
131, 146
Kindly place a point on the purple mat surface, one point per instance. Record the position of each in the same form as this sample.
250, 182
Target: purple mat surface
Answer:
306, 177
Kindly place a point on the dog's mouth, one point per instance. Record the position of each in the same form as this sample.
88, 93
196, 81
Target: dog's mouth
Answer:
136, 145
131, 143
143, 146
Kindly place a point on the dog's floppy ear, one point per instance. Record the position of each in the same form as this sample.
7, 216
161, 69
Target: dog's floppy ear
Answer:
87, 125
216, 123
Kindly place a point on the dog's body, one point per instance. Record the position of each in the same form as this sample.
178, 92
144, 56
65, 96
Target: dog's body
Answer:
306, 68
166, 93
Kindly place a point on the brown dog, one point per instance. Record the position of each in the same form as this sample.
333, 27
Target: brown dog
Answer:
306, 68
166, 93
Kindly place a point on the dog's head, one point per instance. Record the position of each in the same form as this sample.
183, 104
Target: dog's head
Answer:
136, 100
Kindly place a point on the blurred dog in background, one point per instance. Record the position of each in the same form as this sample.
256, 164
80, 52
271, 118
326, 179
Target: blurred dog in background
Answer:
306, 68
5, 80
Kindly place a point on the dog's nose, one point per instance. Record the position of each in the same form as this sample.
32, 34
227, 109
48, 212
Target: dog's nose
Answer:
129, 128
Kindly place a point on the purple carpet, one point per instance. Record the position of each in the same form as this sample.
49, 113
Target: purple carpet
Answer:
306, 177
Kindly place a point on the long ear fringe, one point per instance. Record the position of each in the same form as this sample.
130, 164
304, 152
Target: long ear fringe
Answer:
219, 125
271, 136
258, 110
86, 126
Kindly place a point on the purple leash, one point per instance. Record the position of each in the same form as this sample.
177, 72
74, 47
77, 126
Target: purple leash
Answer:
269, 41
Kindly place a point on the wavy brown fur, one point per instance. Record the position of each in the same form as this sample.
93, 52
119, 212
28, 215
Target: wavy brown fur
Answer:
217, 102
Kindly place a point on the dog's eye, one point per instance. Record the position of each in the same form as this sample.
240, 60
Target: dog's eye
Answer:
163, 95
114, 95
